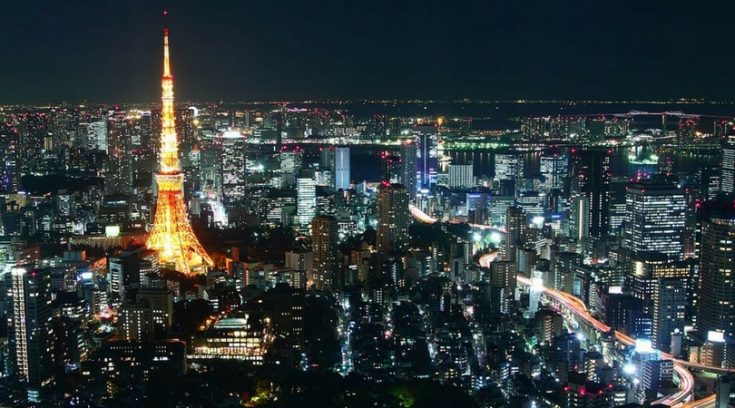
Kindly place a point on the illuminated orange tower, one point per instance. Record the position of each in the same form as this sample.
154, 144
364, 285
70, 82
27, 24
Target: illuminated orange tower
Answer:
172, 235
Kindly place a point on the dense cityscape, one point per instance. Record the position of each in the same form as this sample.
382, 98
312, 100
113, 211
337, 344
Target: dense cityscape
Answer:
367, 253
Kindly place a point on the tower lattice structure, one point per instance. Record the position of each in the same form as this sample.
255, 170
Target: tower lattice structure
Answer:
172, 236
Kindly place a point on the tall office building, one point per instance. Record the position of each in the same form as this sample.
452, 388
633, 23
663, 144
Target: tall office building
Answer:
327, 164
30, 331
579, 217
554, 168
341, 168
642, 277
290, 162
669, 310
461, 175
233, 167
119, 169
393, 218
409, 169
727, 175
428, 162
9, 172
716, 273
508, 167
515, 221
617, 204
655, 218
591, 181
305, 201
324, 241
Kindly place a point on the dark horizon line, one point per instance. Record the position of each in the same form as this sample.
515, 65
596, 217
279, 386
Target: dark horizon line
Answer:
601, 101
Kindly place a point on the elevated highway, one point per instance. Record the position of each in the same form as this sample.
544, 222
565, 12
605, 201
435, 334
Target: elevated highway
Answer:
575, 306
682, 397
425, 218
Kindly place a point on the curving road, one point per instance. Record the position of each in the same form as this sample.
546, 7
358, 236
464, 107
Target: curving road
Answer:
708, 402
425, 218
576, 306
681, 367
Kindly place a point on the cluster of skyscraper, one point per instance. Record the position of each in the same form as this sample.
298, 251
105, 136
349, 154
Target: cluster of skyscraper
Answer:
414, 246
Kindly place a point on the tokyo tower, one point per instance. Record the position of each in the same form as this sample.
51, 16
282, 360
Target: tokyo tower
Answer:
172, 236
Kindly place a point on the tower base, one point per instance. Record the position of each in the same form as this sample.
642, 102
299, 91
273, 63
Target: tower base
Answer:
172, 236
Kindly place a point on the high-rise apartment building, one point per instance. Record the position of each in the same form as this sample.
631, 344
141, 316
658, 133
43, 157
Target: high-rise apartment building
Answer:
9, 147
515, 221
393, 217
716, 269
591, 182
119, 169
324, 241
30, 331
409, 168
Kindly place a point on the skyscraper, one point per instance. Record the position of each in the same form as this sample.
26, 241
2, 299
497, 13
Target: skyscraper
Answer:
727, 175
305, 201
515, 221
172, 235
327, 165
617, 204
393, 217
655, 218
579, 217
461, 175
119, 171
554, 168
409, 168
508, 167
341, 168
233, 167
9, 172
669, 310
30, 331
428, 163
290, 161
716, 260
591, 182
324, 243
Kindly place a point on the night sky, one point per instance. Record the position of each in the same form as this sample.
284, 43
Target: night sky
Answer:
110, 51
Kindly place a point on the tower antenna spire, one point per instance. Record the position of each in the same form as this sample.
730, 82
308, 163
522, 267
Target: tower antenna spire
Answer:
166, 59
